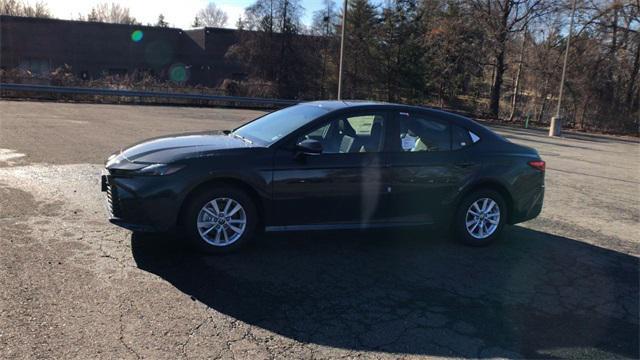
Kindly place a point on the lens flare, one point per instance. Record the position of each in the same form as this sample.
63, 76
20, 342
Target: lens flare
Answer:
178, 73
137, 35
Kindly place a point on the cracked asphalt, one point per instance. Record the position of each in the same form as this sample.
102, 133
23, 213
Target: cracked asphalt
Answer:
564, 285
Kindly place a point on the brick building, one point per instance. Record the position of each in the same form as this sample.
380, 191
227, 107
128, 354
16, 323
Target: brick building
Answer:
195, 56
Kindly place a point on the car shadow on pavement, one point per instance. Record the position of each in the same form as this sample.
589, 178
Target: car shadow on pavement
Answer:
530, 295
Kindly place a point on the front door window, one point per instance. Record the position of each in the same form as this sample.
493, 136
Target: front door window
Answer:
362, 133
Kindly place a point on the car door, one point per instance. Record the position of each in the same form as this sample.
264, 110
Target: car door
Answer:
426, 170
344, 186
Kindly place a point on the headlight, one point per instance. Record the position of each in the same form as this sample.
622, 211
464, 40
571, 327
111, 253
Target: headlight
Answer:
159, 169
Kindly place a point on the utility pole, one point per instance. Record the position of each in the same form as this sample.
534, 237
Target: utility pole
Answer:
344, 25
556, 122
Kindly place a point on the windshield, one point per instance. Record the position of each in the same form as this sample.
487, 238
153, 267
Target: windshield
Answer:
274, 126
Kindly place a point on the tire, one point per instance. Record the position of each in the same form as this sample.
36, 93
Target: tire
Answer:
481, 231
219, 234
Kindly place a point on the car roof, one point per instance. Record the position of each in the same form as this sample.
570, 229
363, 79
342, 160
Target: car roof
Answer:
332, 105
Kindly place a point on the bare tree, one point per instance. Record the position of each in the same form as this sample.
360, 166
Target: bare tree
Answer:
324, 25
212, 16
10, 7
274, 50
110, 13
325, 20
516, 82
21, 8
502, 18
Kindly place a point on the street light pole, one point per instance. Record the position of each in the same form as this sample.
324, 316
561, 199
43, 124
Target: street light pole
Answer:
556, 122
344, 25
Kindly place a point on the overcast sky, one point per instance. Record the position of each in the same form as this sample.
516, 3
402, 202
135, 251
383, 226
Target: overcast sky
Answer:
179, 13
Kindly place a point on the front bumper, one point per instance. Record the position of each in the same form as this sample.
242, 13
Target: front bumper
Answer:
140, 204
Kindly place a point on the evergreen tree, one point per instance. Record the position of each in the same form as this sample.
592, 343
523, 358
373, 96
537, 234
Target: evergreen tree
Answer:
196, 22
161, 22
360, 63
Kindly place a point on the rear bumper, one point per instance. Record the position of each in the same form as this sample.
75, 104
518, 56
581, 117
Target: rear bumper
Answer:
528, 207
139, 204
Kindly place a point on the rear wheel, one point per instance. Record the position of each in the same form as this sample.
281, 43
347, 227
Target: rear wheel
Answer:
220, 220
480, 218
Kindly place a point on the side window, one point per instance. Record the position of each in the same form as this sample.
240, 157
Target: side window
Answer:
319, 133
350, 134
362, 124
420, 133
460, 137
475, 138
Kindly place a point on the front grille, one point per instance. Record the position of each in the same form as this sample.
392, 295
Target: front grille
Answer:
112, 201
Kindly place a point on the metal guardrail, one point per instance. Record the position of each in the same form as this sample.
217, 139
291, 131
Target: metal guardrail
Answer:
133, 93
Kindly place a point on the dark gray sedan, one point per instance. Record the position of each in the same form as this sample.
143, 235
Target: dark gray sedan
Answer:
327, 165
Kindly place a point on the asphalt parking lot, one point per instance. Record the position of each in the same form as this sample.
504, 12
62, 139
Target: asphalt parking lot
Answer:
564, 285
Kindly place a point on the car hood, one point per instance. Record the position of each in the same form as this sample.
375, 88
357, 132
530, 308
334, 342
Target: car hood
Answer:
176, 147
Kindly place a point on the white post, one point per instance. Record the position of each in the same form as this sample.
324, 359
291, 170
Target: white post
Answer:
344, 25
556, 122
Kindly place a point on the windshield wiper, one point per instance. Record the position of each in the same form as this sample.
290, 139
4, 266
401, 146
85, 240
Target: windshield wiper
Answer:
242, 138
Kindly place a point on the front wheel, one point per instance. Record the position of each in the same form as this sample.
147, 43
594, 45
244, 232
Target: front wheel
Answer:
480, 218
220, 220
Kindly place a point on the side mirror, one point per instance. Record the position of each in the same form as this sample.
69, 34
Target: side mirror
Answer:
309, 147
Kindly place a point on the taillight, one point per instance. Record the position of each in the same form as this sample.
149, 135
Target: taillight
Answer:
537, 164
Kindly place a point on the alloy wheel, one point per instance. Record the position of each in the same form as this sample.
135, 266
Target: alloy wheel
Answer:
221, 222
482, 218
